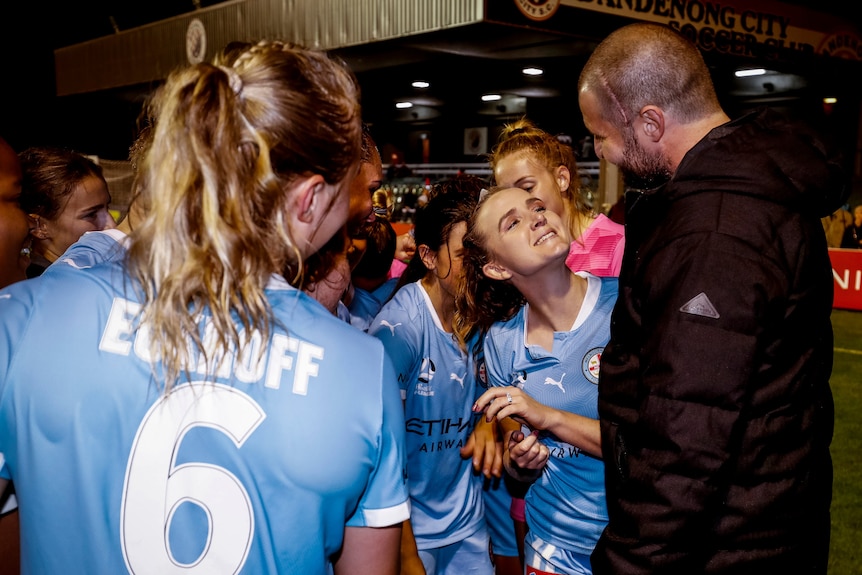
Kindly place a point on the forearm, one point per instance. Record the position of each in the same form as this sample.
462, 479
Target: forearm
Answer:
369, 551
582, 432
411, 564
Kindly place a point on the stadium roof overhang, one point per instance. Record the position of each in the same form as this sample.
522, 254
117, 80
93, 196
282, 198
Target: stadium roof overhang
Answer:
381, 34
468, 48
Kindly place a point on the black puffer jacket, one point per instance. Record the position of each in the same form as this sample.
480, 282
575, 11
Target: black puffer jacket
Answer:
714, 397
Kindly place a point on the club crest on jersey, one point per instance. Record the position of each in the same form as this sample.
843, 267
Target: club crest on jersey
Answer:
591, 363
482, 374
535, 571
426, 374
427, 371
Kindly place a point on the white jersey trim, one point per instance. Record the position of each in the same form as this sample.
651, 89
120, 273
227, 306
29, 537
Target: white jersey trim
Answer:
430, 305
387, 516
591, 298
276, 282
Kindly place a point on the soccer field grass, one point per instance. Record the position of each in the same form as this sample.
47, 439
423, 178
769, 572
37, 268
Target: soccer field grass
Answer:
845, 556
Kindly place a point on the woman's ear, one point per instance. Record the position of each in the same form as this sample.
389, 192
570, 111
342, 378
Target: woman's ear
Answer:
428, 256
38, 229
495, 271
564, 178
307, 205
311, 204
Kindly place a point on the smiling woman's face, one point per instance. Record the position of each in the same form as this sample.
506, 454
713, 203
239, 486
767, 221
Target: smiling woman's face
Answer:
521, 234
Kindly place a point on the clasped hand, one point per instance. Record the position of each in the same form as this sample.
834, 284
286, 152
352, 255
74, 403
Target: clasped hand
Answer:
522, 451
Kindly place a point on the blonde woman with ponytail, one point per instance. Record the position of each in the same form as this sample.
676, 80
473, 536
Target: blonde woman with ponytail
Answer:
200, 414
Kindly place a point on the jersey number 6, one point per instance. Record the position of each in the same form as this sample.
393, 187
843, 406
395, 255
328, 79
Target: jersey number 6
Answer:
155, 486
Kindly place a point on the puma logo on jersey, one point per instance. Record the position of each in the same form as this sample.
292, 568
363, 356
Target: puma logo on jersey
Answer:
460, 380
74, 264
390, 326
552, 381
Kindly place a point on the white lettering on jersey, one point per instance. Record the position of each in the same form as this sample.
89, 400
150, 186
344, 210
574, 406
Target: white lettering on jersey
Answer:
305, 366
279, 360
155, 485
286, 353
248, 367
119, 329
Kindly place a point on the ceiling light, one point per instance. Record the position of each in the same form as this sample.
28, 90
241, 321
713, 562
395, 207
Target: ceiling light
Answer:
402, 105
491, 97
532, 71
420, 84
750, 72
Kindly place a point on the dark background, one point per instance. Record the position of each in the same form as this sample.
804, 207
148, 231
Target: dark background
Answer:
104, 124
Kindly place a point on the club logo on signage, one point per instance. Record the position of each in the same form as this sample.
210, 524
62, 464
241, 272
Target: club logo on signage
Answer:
842, 45
196, 42
538, 9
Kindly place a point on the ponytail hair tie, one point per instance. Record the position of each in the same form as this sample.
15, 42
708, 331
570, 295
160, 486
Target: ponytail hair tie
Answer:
233, 79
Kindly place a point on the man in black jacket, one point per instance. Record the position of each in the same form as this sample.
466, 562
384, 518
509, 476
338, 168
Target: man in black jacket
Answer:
714, 399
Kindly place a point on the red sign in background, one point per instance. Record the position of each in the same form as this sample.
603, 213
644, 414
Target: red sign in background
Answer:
847, 277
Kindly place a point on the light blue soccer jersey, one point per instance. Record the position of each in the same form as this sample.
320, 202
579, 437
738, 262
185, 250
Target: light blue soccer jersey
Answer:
365, 305
363, 308
93, 248
438, 386
256, 472
566, 505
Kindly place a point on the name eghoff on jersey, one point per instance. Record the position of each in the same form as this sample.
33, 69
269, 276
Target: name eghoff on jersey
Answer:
123, 336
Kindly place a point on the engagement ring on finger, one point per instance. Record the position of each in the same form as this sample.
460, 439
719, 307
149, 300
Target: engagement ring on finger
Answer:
509, 398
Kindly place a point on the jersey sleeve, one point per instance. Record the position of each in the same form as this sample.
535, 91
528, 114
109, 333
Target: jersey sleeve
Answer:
494, 357
15, 309
385, 501
400, 336
92, 249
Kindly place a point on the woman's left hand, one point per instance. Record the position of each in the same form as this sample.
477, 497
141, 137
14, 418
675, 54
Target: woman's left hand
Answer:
501, 402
